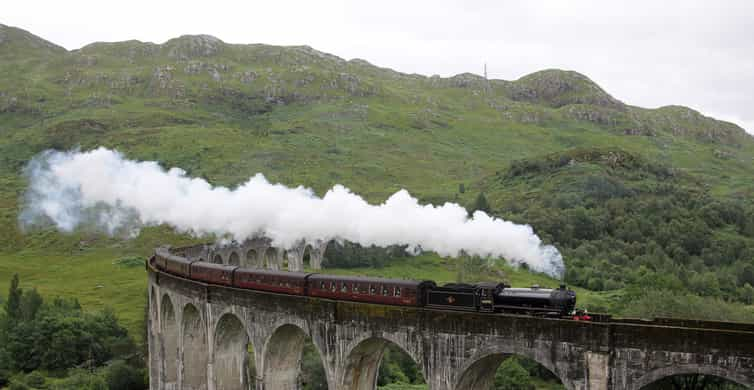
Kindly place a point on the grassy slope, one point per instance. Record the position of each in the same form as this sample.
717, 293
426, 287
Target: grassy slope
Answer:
305, 118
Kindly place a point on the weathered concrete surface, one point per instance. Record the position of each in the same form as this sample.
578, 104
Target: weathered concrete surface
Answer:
194, 356
454, 350
169, 341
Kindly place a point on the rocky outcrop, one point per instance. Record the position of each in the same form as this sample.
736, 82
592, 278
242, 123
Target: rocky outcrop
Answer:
685, 122
193, 46
557, 88
15, 41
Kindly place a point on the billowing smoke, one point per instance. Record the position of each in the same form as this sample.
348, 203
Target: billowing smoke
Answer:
103, 189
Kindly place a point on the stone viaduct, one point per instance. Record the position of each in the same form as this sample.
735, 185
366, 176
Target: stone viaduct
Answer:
259, 253
199, 338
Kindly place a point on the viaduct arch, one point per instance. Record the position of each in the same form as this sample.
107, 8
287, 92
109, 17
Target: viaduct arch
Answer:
260, 253
199, 335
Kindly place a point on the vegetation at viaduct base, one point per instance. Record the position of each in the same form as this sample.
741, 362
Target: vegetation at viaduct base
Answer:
54, 344
651, 208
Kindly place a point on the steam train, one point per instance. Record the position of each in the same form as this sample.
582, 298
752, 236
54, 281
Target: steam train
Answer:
481, 297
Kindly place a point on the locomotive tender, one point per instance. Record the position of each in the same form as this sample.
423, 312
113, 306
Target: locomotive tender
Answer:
481, 297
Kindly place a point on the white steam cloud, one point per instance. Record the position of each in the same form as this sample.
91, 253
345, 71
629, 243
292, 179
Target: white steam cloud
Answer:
101, 188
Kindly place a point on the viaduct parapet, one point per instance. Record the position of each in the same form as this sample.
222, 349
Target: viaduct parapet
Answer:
259, 253
199, 336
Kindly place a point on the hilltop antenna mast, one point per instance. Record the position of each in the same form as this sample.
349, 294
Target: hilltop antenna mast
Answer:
485, 71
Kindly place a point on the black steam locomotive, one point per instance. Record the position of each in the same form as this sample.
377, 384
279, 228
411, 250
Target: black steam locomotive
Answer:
499, 297
480, 297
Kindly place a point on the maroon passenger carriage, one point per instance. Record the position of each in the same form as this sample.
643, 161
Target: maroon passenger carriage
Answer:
213, 273
373, 290
175, 265
276, 281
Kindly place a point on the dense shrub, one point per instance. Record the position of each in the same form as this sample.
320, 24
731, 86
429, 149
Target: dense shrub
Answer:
512, 376
350, 255
59, 335
122, 376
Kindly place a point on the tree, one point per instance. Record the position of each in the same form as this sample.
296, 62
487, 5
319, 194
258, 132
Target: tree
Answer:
511, 376
59, 335
747, 294
312, 375
80, 379
121, 376
13, 304
480, 204
747, 275
31, 301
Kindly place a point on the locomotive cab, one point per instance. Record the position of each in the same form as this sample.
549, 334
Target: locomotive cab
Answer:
460, 296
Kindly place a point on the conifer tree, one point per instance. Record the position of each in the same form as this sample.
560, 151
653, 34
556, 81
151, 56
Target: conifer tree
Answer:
480, 204
13, 304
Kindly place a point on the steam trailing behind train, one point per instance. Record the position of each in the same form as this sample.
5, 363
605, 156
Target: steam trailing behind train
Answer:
481, 297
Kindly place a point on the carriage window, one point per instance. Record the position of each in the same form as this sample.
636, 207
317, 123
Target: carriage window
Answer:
322, 286
397, 291
385, 291
344, 288
332, 286
372, 290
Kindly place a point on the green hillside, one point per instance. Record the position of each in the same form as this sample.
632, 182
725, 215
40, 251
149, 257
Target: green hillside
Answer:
552, 149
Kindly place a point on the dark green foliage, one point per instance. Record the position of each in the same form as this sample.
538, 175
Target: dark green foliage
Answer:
611, 158
620, 221
480, 204
313, 375
398, 367
17, 385
349, 255
122, 376
747, 275
35, 379
79, 379
13, 304
656, 301
747, 294
30, 305
59, 335
512, 376
521, 373
5, 375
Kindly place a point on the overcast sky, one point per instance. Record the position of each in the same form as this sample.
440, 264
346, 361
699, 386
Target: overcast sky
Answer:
648, 53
